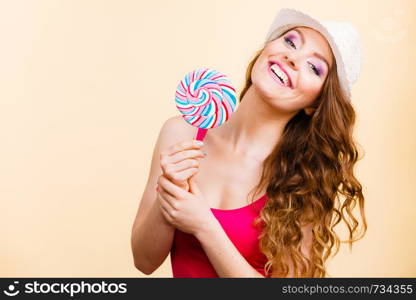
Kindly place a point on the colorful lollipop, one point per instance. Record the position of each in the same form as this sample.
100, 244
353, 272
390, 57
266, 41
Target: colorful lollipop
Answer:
205, 98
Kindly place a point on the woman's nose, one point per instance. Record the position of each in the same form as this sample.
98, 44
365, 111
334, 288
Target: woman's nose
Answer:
290, 61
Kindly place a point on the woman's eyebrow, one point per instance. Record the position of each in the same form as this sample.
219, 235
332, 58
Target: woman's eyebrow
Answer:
302, 37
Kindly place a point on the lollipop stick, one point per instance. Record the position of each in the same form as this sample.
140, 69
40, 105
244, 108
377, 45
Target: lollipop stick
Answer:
201, 134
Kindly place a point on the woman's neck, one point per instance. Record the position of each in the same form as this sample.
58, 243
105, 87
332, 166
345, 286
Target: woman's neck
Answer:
254, 128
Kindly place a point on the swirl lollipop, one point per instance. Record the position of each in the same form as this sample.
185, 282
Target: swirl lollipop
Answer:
205, 98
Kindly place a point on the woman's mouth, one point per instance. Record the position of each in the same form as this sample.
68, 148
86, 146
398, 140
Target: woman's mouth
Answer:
279, 75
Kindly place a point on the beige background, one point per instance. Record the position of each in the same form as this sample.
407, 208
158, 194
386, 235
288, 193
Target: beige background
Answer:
86, 85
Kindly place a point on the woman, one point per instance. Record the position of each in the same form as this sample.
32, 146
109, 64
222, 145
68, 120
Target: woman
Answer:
289, 144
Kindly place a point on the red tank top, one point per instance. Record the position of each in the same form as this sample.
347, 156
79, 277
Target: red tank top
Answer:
188, 258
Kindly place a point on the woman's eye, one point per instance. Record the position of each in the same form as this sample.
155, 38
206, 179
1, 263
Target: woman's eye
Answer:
289, 41
315, 70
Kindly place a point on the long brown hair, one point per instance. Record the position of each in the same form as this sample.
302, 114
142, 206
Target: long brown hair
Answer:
307, 174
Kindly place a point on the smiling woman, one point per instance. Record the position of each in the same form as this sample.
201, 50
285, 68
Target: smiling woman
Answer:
319, 67
289, 144
299, 60
311, 167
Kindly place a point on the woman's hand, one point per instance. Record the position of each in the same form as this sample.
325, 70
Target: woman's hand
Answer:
180, 161
186, 211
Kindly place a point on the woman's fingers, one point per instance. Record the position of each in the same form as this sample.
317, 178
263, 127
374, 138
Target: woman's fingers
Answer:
173, 156
186, 154
181, 166
171, 188
168, 201
183, 175
185, 145
176, 168
165, 207
180, 161
165, 213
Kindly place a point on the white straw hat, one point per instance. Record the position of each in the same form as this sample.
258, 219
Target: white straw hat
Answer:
343, 38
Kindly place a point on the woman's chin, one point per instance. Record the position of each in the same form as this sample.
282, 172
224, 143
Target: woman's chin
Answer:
270, 91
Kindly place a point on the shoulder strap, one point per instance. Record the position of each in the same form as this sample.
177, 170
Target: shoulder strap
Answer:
200, 134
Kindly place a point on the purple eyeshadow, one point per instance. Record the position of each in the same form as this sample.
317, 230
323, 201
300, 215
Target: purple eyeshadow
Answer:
320, 70
291, 36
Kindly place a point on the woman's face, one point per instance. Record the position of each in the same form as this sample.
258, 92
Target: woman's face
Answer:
291, 69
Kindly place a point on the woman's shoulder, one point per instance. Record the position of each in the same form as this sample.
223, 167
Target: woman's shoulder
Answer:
179, 126
176, 129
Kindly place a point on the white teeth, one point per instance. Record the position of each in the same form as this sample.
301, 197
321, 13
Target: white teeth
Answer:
282, 75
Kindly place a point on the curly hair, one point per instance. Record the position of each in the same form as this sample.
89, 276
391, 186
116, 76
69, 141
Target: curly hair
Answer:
309, 178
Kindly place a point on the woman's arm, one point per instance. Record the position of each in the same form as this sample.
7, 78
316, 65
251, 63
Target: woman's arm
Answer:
228, 261
152, 236
223, 255
151, 240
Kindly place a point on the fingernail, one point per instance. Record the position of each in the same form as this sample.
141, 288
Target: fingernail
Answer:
200, 143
